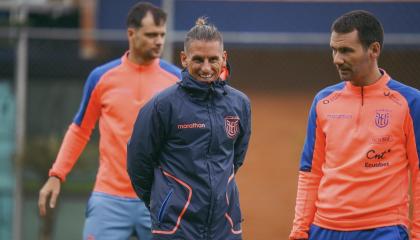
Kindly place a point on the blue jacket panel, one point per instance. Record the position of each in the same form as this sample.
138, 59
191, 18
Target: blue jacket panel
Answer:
187, 144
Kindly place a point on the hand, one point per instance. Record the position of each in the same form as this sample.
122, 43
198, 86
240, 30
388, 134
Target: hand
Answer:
51, 187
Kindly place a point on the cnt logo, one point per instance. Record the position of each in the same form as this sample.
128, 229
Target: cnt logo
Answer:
378, 159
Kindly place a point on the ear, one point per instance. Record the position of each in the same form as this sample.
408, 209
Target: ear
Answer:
225, 58
183, 57
130, 32
375, 50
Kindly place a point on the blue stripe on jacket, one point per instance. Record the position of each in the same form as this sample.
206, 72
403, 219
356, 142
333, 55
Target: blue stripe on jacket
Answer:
90, 85
170, 68
308, 148
412, 96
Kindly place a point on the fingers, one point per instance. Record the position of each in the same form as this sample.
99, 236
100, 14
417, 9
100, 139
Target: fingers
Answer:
50, 191
53, 199
43, 194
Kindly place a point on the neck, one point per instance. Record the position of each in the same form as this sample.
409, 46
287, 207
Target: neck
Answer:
368, 79
138, 59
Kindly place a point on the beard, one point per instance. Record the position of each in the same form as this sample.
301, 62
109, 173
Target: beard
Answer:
345, 74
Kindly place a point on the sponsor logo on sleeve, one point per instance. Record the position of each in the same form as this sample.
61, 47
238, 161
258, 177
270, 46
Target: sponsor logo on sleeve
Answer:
232, 126
332, 98
393, 98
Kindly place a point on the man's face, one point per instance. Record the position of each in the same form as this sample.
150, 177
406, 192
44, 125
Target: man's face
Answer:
146, 42
354, 63
204, 60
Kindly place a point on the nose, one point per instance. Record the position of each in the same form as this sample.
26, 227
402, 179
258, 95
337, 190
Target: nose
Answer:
160, 40
337, 59
206, 67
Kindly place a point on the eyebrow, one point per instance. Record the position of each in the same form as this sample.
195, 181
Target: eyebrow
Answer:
195, 57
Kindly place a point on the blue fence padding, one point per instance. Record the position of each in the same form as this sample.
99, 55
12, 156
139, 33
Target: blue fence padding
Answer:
112, 14
293, 17
268, 16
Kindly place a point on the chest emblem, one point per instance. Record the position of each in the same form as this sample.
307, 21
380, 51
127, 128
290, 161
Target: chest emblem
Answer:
382, 118
232, 126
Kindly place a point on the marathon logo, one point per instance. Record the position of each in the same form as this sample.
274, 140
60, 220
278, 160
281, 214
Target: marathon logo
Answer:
393, 98
339, 116
191, 125
332, 98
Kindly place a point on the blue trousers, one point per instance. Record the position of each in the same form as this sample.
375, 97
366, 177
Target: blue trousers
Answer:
382, 233
110, 217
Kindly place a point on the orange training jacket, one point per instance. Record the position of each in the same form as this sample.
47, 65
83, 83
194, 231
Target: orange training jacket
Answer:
361, 145
113, 94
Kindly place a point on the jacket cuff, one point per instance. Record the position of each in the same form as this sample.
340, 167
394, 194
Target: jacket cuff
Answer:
53, 173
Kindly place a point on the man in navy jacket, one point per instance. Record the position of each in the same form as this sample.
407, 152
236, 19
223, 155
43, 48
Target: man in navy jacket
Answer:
187, 144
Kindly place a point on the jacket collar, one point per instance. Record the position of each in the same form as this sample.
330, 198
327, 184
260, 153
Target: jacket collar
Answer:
378, 85
153, 65
200, 90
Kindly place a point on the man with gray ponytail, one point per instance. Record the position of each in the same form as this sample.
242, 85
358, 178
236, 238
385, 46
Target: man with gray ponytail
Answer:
188, 143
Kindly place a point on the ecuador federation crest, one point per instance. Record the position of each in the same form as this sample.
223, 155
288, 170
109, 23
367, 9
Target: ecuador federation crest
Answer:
232, 126
382, 118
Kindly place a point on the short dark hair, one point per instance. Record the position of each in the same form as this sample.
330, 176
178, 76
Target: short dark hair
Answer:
203, 31
138, 11
368, 27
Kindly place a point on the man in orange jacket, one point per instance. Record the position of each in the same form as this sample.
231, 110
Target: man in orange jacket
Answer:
362, 145
113, 94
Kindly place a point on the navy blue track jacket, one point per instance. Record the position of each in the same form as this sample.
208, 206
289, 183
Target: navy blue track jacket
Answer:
187, 144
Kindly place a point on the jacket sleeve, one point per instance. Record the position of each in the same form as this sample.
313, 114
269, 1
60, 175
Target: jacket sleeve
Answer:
412, 129
310, 174
79, 132
143, 150
241, 144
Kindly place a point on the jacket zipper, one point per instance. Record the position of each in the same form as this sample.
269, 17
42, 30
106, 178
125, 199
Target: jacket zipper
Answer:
362, 96
359, 114
210, 106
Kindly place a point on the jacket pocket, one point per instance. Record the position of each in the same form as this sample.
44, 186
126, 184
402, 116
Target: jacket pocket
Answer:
233, 214
162, 209
167, 216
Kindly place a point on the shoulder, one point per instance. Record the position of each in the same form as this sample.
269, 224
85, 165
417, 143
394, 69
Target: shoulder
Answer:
410, 94
328, 91
170, 68
104, 68
237, 94
405, 90
97, 73
167, 96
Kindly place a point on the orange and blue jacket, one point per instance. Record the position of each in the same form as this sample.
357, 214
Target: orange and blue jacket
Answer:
361, 147
113, 94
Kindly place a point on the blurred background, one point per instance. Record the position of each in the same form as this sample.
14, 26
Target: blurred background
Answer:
280, 57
